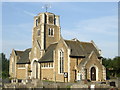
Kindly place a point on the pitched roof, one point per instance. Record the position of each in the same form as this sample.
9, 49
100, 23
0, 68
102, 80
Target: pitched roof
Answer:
48, 56
24, 57
89, 47
79, 48
76, 48
82, 49
18, 53
84, 61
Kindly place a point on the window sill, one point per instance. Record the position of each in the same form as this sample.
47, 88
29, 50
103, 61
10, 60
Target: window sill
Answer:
46, 67
21, 68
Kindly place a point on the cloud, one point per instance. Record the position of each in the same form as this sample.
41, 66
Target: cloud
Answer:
97, 26
29, 13
103, 25
103, 30
17, 37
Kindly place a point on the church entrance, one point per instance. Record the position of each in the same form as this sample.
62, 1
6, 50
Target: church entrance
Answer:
35, 69
93, 74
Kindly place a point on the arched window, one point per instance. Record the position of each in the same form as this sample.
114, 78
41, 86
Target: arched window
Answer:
39, 20
55, 21
49, 31
36, 22
61, 61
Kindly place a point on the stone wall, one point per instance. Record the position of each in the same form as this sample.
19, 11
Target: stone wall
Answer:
21, 74
60, 76
47, 74
94, 62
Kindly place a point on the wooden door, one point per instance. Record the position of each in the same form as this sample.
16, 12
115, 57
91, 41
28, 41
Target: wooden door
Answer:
93, 74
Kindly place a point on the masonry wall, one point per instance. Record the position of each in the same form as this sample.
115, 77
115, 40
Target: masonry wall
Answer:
95, 62
21, 72
60, 76
29, 71
35, 52
54, 38
47, 74
12, 66
72, 69
74, 62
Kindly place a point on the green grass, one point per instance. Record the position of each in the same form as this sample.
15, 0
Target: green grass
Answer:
68, 86
47, 81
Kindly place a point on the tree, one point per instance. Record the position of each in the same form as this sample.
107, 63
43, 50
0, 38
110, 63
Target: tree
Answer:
116, 66
112, 66
5, 65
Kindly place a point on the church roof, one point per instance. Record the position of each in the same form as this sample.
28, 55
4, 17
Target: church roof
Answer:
76, 48
81, 49
24, 57
48, 56
18, 53
84, 61
89, 47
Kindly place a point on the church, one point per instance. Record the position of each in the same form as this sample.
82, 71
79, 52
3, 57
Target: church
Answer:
53, 58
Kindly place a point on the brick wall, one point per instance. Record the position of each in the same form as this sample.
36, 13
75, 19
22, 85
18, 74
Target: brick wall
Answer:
60, 76
94, 61
47, 74
21, 73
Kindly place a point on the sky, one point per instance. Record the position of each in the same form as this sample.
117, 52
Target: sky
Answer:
86, 21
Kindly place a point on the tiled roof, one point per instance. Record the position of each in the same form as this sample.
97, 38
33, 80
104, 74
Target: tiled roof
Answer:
79, 48
18, 53
89, 47
24, 57
75, 47
48, 56
84, 61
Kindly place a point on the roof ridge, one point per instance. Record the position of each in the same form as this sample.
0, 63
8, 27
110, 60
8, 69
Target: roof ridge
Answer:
22, 50
18, 51
71, 40
27, 49
84, 42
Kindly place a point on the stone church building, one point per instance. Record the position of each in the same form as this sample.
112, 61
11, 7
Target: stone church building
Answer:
54, 58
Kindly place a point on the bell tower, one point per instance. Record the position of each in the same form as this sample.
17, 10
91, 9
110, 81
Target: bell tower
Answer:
46, 30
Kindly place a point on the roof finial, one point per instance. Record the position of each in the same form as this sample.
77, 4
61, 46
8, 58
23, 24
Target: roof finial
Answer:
46, 6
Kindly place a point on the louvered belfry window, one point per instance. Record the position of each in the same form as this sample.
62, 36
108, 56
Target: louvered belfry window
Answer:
51, 32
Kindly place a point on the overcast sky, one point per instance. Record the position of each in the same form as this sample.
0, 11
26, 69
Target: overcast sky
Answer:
86, 21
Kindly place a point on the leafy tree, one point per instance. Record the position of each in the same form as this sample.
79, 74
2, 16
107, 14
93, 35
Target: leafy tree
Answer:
5, 65
112, 66
116, 66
